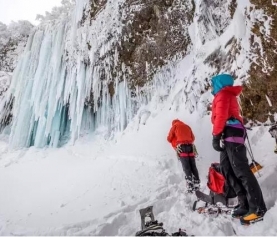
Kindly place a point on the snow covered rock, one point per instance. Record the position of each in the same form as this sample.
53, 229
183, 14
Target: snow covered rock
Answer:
13, 39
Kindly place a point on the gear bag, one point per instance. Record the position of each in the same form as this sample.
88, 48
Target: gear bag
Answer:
216, 180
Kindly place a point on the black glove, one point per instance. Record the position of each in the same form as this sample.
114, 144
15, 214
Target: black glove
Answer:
273, 131
216, 143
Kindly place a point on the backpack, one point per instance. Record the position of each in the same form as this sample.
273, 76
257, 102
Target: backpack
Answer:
217, 183
216, 180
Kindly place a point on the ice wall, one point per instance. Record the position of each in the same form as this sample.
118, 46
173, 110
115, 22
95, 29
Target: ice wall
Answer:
56, 75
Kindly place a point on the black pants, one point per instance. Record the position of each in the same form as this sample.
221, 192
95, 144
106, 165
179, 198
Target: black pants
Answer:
189, 167
235, 168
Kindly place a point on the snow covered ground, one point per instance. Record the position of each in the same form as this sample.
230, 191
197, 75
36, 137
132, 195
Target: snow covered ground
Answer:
97, 187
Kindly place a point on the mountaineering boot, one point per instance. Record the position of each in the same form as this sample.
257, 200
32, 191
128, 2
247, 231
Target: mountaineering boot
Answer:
241, 209
239, 212
196, 185
252, 217
189, 184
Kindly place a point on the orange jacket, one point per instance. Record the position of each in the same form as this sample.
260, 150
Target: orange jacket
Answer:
180, 133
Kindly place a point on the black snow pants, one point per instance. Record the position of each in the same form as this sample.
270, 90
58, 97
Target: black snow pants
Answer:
187, 159
235, 168
189, 167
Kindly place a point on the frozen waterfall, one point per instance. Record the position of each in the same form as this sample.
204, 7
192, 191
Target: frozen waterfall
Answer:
56, 75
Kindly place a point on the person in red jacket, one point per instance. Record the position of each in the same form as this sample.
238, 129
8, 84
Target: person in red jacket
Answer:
181, 138
228, 127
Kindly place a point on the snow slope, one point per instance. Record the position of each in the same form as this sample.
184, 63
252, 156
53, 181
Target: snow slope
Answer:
97, 187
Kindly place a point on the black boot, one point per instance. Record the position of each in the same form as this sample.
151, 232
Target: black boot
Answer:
196, 184
189, 184
241, 209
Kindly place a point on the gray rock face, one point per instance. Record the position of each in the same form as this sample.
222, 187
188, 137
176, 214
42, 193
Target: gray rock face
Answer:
215, 16
153, 33
13, 39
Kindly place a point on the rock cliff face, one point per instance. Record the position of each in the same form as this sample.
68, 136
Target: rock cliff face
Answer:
215, 17
258, 100
13, 39
260, 93
151, 34
154, 32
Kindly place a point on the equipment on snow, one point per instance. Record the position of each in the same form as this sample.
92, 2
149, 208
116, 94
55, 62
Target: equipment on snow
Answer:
254, 166
151, 227
215, 204
216, 180
221, 199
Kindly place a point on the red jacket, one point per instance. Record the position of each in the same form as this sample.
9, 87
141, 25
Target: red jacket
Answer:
180, 133
225, 106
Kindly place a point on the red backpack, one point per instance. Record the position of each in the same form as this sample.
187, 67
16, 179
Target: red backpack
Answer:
216, 180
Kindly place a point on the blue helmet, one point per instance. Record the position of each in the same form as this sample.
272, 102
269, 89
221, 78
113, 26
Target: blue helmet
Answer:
221, 81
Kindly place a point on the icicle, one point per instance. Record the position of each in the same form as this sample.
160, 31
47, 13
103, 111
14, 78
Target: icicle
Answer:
69, 63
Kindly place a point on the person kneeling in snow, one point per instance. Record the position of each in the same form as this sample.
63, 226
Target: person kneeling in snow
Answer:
181, 138
228, 126
273, 132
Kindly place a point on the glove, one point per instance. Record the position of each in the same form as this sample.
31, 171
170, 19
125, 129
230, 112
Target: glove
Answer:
216, 143
273, 132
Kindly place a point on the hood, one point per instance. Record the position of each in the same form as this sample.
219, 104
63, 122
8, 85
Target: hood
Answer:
176, 121
221, 81
235, 90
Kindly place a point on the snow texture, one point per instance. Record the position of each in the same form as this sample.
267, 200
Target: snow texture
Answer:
97, 187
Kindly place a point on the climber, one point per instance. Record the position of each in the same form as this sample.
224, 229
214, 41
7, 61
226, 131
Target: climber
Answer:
181, 138
228, 128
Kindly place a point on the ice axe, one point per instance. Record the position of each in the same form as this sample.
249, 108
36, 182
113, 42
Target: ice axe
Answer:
254, 166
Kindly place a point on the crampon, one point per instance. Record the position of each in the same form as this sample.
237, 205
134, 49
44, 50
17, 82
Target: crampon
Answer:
214, 210
151, 227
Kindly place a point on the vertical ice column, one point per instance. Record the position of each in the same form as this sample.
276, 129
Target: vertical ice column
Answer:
38, 81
